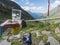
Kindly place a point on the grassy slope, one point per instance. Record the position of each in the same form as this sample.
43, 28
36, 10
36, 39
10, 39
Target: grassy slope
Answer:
39, 27
55, 13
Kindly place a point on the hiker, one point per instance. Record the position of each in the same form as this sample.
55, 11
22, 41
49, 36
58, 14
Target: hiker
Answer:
29, 40
24, 40
23, 24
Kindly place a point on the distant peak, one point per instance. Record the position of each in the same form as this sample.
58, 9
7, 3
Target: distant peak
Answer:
58, 5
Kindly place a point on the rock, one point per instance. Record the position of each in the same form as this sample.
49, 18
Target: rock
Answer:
41, 42
8, 31
33, 32
46, 32
4, 37
38, 33
53, 41
58, 35
4, 42
18, 36
57, 30
22, 33
25, 34
15, 36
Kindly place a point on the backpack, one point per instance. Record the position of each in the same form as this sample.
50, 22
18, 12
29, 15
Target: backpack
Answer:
28, 40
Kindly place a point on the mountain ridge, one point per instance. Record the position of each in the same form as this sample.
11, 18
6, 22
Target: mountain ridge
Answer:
36, 15
55, 13
6, 9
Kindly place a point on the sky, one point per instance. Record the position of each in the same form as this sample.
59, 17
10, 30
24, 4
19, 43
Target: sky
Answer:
37, 6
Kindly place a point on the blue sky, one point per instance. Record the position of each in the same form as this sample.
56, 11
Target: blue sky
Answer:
37, 6
36, 2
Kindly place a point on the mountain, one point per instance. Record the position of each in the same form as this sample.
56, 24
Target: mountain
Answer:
36, 15
6, 7
55, 13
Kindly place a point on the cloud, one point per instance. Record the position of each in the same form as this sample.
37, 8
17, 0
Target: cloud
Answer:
24, 0
55, 4
39, 9
32, 7
28, 3
35, 9
12, 0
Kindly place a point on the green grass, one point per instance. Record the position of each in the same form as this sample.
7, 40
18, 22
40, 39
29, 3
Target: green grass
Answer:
1, 38
16, 43
40, 27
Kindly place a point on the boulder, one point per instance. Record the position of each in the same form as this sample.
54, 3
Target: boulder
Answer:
4, 42
38, 33
46, 32
53, 41
41, 42
57, 30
